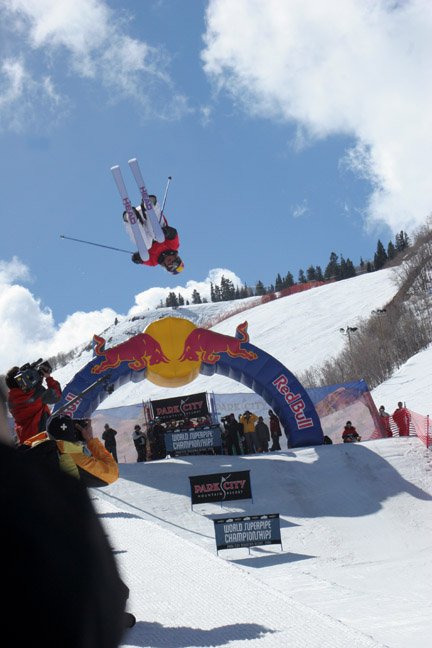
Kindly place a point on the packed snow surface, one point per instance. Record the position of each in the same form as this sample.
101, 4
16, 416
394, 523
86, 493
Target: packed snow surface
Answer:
354, 568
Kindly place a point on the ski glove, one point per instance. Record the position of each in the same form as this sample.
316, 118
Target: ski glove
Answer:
136, 258
169, 232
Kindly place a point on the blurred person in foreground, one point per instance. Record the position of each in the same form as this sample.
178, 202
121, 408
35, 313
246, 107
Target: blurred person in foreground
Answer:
60, 579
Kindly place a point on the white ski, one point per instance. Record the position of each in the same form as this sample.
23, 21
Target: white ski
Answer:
132, 219
158, 234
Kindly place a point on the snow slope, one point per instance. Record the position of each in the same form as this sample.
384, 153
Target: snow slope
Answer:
355, 568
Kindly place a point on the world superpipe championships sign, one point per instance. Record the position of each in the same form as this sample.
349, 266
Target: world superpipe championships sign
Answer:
247, 531
220, 487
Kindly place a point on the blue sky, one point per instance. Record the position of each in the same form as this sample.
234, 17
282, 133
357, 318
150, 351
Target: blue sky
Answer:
291, 130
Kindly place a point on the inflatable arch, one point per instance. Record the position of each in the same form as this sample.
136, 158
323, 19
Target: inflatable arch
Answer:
172, 352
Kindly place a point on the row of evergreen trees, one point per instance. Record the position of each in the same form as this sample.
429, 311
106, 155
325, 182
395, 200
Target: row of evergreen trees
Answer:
338, 268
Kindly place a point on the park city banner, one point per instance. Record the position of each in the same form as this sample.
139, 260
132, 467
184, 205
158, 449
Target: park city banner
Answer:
194, 441
247, 531
181, 407
220, 487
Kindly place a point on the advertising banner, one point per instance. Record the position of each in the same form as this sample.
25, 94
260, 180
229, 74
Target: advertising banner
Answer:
220, 487
193, 441
247, 531
181, 407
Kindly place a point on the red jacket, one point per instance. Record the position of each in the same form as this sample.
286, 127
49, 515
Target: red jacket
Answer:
401, 417
157, 248
29, 410
350, 432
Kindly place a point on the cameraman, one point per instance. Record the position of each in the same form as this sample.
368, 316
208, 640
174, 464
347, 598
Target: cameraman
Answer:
28, 400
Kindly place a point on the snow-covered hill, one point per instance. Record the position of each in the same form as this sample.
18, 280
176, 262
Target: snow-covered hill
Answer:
301, 331
355, 569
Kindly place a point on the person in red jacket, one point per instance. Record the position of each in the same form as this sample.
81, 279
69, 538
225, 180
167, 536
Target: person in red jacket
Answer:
29, 407
402, 418
163, 253
350, 434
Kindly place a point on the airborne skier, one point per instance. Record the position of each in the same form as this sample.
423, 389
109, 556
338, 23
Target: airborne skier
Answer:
147, 226
164, 253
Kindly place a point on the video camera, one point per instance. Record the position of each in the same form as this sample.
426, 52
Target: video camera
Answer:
30, 375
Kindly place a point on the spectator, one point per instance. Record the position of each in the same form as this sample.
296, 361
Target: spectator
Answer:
262, 435
28, 399
385, 421
327, 440
156, 435
231, 435
109, 437
402, 418
275, 430
350, 434
140, 441
57, 556
80, 454
248, 421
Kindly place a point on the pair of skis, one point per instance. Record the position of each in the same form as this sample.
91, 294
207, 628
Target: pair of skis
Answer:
153, 229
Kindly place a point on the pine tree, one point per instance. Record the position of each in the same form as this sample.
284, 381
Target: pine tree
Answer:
171, 300
311, 273
391, 251
319, 274
278, 283
180, 300
332, 270
380, 256
301, 276
260, 288
288, 281
402, 241
196, 297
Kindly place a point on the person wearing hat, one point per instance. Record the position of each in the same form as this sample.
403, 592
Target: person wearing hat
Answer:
80, 454
164, 253
350, 434
140, 442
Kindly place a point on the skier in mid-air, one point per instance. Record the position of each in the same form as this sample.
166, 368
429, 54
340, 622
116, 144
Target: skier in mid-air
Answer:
163, 253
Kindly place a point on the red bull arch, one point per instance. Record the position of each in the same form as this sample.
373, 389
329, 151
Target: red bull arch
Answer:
172, 352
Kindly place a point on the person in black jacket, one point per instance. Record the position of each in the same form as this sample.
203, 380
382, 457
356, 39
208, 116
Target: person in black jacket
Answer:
231, 434
109, 437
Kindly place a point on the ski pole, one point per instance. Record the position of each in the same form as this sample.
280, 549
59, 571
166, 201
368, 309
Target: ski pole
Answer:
109, 247
166, 192
78, 396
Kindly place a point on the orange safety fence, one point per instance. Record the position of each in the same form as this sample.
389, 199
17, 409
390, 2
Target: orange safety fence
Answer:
420, 426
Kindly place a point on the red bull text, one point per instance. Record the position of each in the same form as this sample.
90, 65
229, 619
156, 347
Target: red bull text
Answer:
295, 402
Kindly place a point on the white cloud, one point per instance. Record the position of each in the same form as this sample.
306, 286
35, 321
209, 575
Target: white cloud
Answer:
91, 38
152, 298
300, 210
338, 67
29, 330
23, 98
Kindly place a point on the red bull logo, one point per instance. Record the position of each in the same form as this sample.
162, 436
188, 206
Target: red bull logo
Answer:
139, 352
295, 402
206, 346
